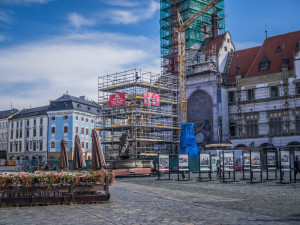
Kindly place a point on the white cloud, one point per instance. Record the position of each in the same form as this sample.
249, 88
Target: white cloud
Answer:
25, 2
36, 72
5, 17
244, 45
124, 3
134, 15
77, 20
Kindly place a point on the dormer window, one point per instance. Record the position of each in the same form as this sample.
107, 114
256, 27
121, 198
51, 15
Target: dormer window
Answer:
278, 49
53, 105
264, 64
65, 105
78, 106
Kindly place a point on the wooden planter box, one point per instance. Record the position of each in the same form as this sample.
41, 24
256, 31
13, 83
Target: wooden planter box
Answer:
15, 196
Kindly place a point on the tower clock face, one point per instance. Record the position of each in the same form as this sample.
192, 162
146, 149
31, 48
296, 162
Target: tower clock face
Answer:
199, 137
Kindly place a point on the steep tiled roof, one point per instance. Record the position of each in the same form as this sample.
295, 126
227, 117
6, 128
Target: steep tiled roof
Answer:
7, 113
272, 50
287, 42
246, 58
66, 98
217, 43
31, 112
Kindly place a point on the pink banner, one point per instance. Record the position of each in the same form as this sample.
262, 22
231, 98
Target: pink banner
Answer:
117, 100
151, 99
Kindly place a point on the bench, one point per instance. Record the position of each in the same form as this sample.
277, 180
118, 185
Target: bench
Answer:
143, 171
121, 172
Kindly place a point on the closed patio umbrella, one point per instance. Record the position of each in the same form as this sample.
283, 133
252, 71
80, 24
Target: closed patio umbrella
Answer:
63, 158
78, 159
98, 160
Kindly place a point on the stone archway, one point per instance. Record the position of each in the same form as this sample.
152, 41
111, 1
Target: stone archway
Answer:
200, 112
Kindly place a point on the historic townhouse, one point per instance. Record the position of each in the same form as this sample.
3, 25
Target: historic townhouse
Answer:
68, 116
264, 93
4, 116
27, 135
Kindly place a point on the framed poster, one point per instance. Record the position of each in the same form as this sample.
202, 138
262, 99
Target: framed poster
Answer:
246, 159
183, 162
228, 161
285, 158
117, 99
271, 159
164, 162
255, 161
205, 160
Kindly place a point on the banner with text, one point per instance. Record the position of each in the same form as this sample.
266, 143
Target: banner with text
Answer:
117, 100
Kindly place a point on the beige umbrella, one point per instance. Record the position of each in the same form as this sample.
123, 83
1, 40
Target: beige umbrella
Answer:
78, 159
63, 158
98, 160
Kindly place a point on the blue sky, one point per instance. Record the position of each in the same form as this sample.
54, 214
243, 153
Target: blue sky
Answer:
50, 46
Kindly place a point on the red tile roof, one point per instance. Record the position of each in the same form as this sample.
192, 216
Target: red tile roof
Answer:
249, 59
246, 58
217, 43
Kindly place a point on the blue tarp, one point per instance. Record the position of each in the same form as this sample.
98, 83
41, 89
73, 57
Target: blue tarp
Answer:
188, 143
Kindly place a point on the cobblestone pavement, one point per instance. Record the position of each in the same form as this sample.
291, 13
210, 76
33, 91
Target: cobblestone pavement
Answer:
145, 200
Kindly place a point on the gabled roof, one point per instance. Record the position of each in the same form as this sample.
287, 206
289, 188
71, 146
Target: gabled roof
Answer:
31, 112
7, 113
246, 58
217, 43
287, 42
68, 102
271, 50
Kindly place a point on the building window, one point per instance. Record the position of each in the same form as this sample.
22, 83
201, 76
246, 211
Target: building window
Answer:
89, 108
87, 131
92, 121
34, 145
12, 125
52, 130
252, 128
231, 97
250, 94
298, 88
41, 121
27, 146
82, 144
53, 118
225, 48
76, 117
20, 133
41, 132
52, 144
78, 106
82, 130
65, 129
20, 146
232, 129
11, 135
76, 130
66, 117
34, 132
264, 64
17, 134
274, 91
87, 120
34, 122
275, 126
17, 124
27, 133
27, 123
87, 145
227, 40
41, 145
298, 124
82, 118
10, 147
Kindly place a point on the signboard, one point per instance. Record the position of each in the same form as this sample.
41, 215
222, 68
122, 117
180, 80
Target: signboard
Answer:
163, 162
246, 159
255, 161
151, 99
117, 100
183, 162
228, 162
271, 159
285, 158
204, 160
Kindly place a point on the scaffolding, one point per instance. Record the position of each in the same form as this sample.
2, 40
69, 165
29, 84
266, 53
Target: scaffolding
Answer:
152, 129
194, 34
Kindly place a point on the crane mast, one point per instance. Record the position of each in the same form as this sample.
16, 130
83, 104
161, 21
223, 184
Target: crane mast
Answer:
181, 59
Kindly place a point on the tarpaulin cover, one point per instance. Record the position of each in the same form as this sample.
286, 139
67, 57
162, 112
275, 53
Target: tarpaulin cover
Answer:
188, 143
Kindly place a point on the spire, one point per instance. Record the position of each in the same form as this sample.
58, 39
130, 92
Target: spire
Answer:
266, 31
238, 71
215, 24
